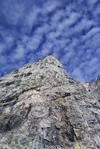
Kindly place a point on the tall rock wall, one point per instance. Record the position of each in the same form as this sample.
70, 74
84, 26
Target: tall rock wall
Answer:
41, 107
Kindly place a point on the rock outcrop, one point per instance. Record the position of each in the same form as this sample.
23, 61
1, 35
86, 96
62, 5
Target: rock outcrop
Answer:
41, 107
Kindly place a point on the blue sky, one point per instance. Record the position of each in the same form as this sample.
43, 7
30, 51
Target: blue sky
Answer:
69, 30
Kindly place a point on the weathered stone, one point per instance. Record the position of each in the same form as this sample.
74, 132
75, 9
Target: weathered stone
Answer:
41, 107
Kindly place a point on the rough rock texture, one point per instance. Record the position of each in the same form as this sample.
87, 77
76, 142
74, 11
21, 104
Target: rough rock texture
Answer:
42, 108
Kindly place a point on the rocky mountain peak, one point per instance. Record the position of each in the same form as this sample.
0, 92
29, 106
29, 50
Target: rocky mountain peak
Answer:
41, 107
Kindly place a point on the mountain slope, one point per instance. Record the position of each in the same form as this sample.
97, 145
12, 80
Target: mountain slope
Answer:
41, 107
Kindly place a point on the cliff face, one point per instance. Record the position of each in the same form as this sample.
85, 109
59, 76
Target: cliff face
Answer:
41, 107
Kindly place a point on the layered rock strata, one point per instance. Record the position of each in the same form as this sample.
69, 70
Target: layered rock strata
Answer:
41, 107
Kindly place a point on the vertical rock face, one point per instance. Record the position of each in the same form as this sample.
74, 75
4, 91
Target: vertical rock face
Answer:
42, 108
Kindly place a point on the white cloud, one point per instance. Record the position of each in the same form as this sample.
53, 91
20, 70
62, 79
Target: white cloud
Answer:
67, 57
93, 61
50, 6
18, 55
78, 74
91, 33
43, 53
12, 12
44, 29
98, 52
3, 60
32, 18
2, 48
34, 42
47, 46
96, 11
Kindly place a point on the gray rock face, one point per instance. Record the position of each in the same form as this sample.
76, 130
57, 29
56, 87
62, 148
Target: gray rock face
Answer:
41, 107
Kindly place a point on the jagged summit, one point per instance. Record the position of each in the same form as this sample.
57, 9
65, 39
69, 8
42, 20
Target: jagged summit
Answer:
41, 107
49, 62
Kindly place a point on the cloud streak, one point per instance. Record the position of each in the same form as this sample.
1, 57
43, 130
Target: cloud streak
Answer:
70, 30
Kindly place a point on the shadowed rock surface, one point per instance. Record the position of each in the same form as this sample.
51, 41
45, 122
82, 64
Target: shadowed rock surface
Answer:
41, 107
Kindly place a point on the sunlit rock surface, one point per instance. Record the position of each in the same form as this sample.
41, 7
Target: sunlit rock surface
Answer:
41, 107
